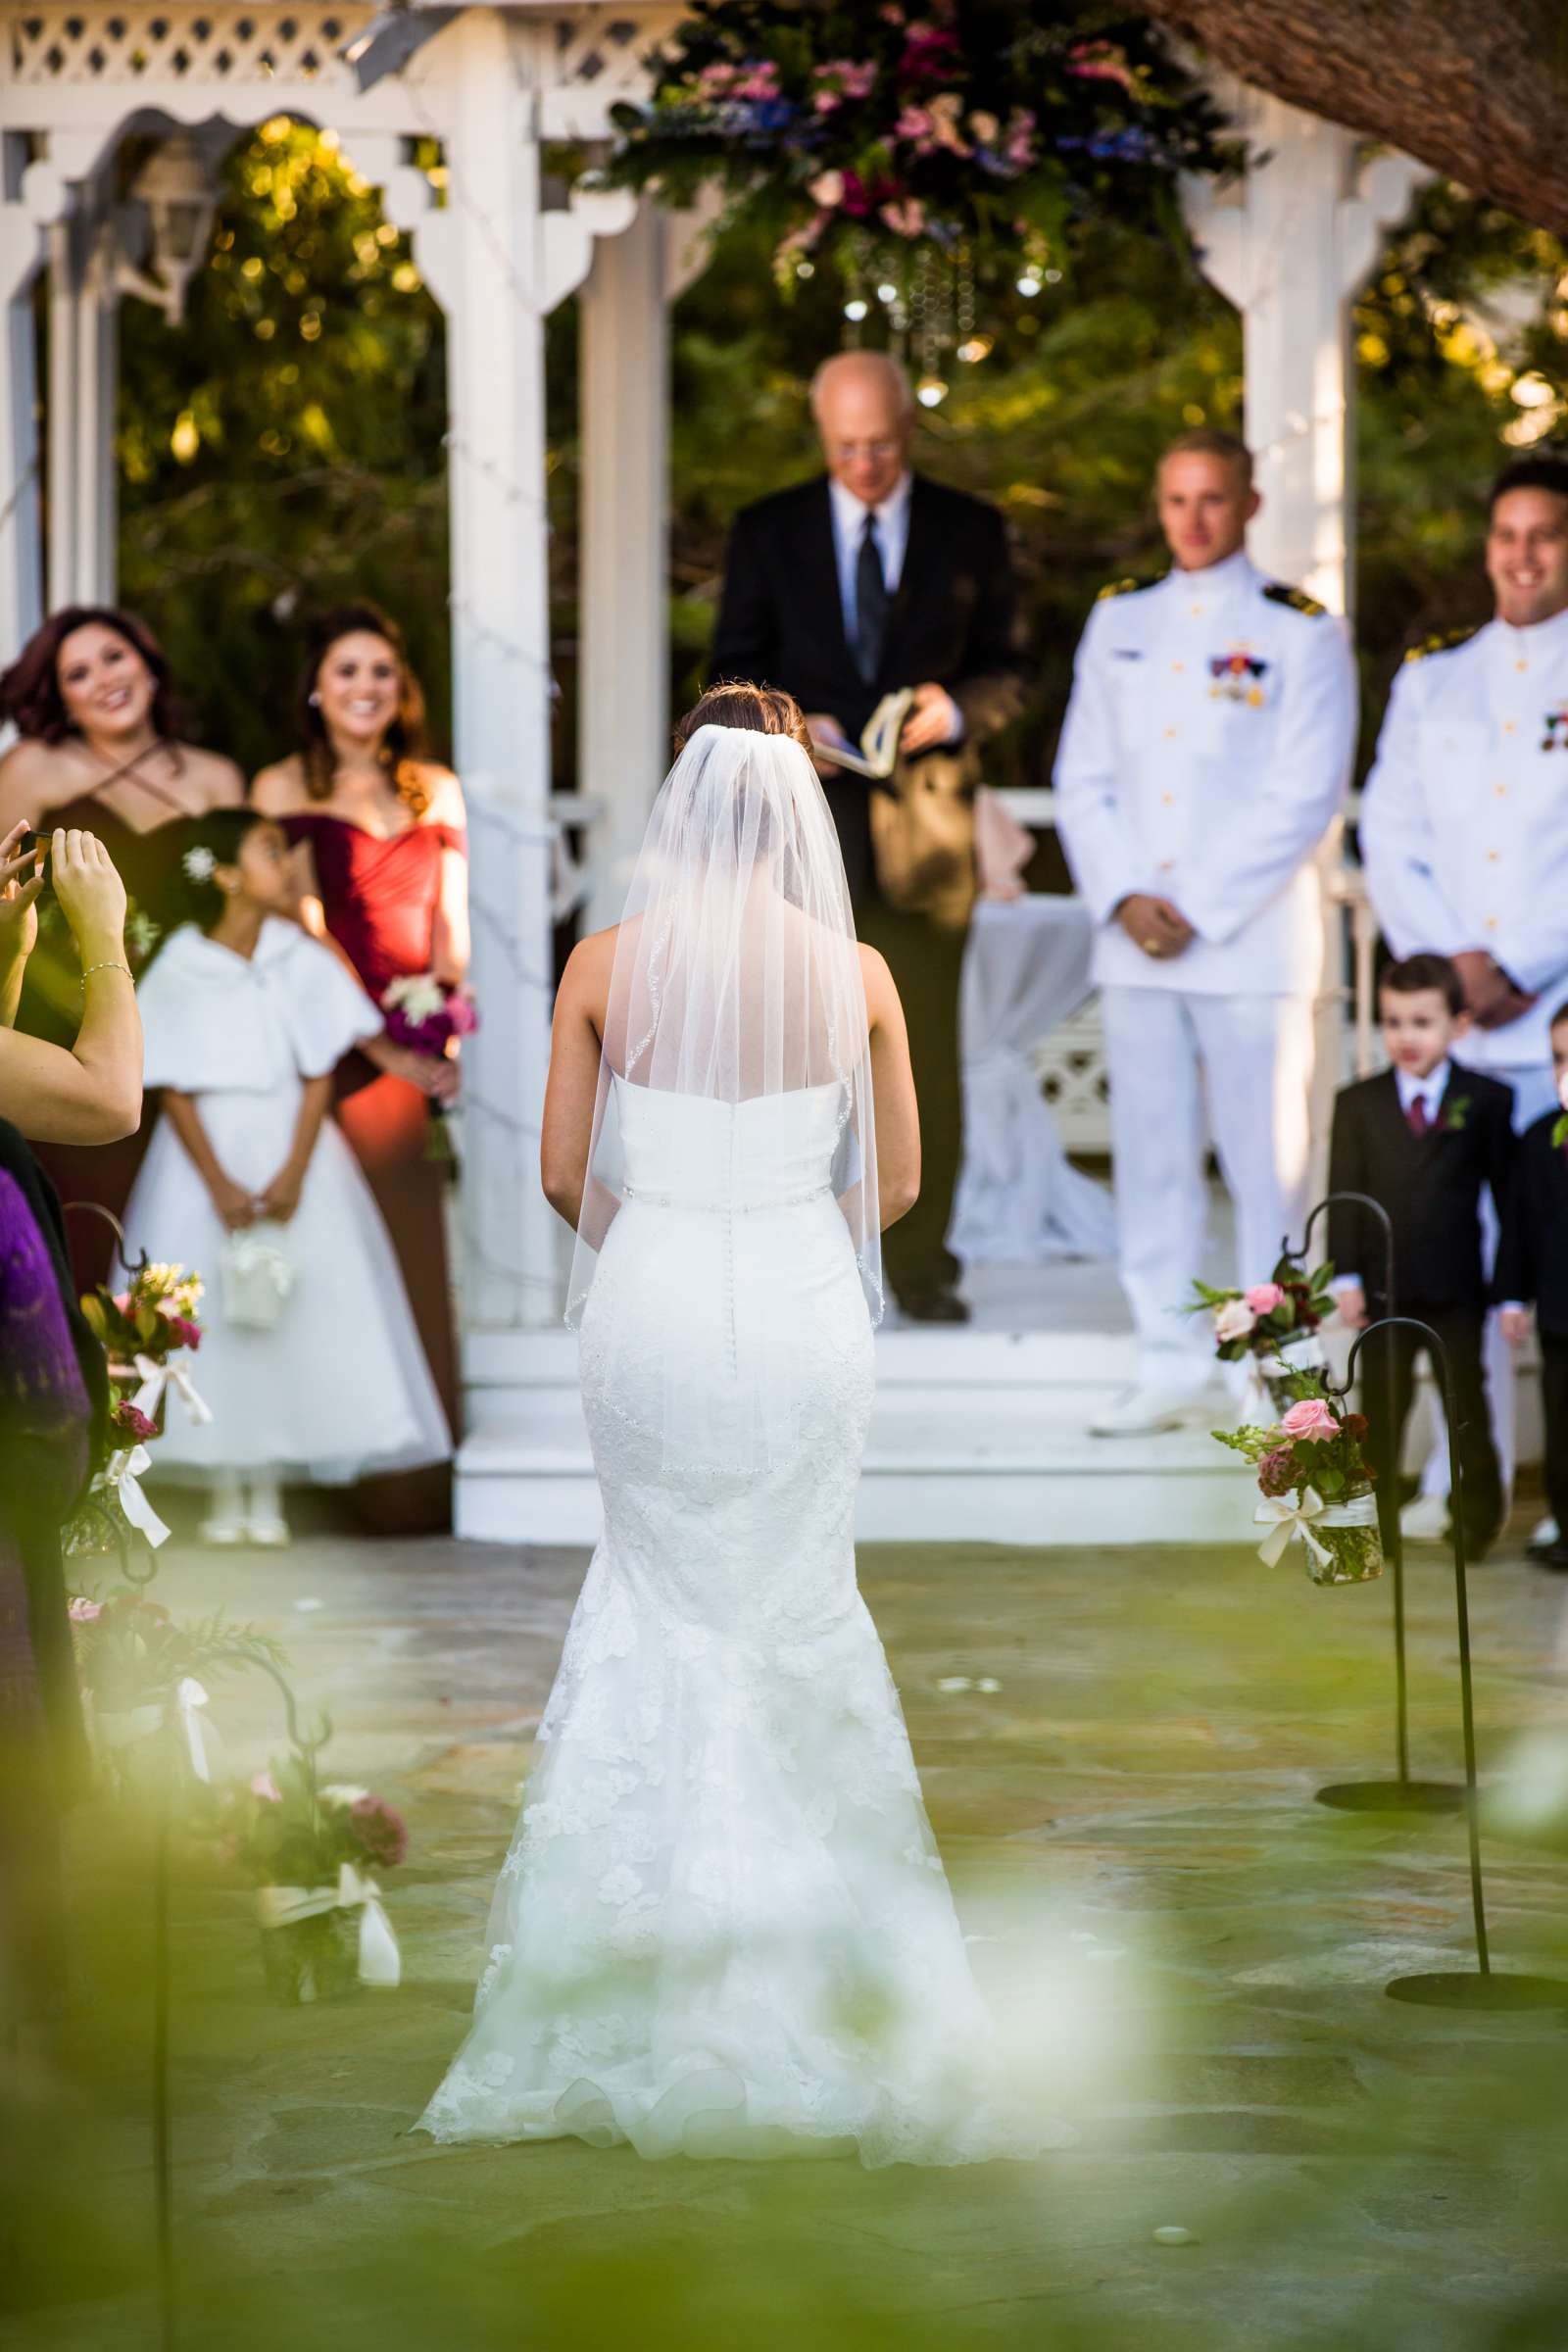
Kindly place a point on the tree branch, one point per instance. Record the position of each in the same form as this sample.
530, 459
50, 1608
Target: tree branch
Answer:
1476, 88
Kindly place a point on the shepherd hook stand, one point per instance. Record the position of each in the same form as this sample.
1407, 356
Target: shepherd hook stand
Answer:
1458, 1989
1402, 1794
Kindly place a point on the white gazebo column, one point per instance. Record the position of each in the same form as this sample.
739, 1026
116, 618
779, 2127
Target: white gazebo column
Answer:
483, 256
21, 254
84, 374
623, 723
1290, 244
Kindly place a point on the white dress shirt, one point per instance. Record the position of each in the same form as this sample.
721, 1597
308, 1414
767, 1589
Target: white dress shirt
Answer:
1205, 755
1464, 825
849, 528
892, 539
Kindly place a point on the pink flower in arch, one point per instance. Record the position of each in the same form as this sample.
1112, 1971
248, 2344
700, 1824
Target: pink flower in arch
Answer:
1310, 1417
1263, 1298
84, 1612
905, 218
263, 1785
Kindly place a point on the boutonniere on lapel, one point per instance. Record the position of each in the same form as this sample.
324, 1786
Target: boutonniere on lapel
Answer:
1453, 1117
1237, 676
1560, 1133
1554, 730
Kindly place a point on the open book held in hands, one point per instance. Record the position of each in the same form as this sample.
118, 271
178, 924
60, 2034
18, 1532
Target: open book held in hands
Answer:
879, 740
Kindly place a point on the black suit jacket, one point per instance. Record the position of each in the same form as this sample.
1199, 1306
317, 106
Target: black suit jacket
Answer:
1431, 1186
781, 623
1532, 1254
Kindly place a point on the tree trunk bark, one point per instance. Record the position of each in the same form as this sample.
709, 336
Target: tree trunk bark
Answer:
1476, 88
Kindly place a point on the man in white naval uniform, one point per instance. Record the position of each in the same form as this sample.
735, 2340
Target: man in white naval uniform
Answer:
1464, 825
1464, 828
1205, 755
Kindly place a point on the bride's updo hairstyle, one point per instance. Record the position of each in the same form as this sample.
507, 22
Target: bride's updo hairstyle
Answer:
732, 703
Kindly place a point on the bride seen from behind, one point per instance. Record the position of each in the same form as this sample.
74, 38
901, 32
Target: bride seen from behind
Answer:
723, 1927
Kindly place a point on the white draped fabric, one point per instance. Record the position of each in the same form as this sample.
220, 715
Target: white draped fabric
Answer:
1020, 1201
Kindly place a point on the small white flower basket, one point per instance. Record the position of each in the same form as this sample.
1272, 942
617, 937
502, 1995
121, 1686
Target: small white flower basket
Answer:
256, 1280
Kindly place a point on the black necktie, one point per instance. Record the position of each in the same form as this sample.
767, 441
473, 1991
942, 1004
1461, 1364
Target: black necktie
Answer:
870, 603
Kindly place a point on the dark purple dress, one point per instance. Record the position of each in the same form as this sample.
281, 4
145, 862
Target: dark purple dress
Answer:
51, 1393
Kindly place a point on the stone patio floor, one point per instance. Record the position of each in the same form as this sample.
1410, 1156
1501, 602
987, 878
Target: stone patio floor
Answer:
1196, 1948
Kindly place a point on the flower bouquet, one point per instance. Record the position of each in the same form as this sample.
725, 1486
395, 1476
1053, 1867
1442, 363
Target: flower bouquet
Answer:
145, 1328
308, 1848
1276, 1323
1315, 1485
859, 135
426, 1015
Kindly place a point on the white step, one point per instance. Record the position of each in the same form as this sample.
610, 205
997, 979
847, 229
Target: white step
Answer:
976, 1437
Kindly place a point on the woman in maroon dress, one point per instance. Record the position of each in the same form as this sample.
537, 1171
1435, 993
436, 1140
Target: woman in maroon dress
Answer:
379, 834
93, 701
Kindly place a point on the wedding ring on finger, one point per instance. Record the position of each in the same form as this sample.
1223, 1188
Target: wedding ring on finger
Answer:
1151, 946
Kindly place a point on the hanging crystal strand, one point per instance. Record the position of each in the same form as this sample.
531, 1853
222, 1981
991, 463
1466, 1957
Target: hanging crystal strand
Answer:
934, 327
856, 305
894, 294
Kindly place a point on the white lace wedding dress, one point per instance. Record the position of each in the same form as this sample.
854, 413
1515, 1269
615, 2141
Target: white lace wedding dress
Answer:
724, 1928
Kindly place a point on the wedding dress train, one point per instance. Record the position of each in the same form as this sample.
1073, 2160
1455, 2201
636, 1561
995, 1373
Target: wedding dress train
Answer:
723, 1927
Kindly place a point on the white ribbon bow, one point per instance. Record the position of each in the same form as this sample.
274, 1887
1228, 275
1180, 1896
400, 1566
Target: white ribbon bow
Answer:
380, 1962
155, 1378
118, 1727
1286, 1517
122, 1475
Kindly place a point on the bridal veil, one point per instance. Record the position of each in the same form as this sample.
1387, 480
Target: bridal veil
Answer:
736, 979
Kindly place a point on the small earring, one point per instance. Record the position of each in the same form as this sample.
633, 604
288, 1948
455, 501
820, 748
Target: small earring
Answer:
316, 701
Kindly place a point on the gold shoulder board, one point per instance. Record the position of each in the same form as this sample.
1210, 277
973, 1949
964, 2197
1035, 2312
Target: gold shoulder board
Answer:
1278, 593
1443, 642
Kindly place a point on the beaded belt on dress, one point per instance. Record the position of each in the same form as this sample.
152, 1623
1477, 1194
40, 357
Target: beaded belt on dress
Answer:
720, 1209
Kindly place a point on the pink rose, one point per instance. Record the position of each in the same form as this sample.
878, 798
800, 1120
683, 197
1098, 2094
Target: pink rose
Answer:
1311, 1418
827, 190
86, 1612
123, 1303
132, 1422
1263, 1298
263, 1785
1233, 1321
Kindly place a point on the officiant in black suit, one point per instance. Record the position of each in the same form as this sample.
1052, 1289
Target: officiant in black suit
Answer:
850, 587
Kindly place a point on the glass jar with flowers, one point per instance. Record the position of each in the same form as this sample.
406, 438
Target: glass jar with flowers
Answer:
1316, 1487
1276, 1324
309, 1848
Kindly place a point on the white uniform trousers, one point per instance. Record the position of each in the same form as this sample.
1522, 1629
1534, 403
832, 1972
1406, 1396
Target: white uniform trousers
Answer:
1251, 1056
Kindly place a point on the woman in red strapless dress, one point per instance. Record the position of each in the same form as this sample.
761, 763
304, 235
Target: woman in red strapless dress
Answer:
380, 846
93, 701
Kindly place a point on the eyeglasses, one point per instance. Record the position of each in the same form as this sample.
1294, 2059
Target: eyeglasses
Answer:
846, 453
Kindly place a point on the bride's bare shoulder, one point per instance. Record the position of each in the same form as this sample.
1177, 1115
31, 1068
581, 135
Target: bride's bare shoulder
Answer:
585, 982
879, 986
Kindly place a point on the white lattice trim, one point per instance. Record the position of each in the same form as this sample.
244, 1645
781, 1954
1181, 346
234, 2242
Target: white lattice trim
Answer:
100, 42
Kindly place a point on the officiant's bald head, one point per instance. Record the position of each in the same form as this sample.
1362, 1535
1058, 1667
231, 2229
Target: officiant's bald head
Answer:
865, 412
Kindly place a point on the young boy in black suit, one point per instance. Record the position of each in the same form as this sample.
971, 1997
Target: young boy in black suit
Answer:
1423, 1139
1533, 1271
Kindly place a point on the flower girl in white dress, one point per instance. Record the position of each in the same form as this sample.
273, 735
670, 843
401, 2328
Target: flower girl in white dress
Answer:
248, 1182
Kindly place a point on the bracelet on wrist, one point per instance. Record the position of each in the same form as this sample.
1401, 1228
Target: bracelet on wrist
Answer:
108, 965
